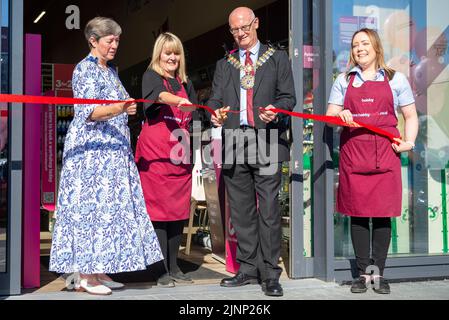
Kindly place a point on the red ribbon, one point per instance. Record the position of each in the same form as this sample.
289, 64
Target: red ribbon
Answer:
337, 121
14, 98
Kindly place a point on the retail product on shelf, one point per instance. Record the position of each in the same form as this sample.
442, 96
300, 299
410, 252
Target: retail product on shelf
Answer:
65, 115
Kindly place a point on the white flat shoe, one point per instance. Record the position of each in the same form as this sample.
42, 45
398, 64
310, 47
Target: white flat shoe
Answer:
112, 284
99, 290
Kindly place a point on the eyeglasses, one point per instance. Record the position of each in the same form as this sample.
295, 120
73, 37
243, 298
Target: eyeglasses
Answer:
243, 28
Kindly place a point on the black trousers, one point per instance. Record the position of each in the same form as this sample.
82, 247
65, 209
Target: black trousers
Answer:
258, 232
362, 242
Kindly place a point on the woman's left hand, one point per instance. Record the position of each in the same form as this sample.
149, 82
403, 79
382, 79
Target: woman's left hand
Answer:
130, 107
403, 146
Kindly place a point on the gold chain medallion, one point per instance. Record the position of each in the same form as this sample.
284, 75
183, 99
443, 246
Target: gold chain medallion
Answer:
248, 80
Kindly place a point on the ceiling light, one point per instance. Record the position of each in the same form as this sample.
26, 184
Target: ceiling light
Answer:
39, 17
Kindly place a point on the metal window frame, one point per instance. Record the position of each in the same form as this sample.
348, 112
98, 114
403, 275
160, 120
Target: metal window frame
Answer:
323, 171
296, 247
321, 265
10, 282
421, 267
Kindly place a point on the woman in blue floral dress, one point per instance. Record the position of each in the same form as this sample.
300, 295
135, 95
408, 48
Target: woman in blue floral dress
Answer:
102, 225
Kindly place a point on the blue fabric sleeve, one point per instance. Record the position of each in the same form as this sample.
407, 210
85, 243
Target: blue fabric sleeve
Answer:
402, 90
338, 91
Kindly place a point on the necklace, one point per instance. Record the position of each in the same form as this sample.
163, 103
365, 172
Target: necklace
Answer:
247, 81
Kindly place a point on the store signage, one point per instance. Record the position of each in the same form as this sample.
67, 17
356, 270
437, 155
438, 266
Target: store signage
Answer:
211, 190
62, 76
48, 165
311, 57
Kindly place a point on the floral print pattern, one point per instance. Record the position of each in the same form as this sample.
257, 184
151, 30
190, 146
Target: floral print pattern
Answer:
102, 224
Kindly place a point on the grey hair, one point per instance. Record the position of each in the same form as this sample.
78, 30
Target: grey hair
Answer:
101, 27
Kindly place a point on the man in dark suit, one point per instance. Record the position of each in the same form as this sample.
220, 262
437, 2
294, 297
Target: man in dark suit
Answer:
249, 83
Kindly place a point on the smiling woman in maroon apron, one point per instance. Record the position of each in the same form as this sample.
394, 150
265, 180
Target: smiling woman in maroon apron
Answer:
162, 152
370, 185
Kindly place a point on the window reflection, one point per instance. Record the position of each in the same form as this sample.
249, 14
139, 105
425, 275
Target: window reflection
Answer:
415, 36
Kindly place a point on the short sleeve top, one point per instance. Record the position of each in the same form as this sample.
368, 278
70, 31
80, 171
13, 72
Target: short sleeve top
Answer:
153, 86
400, 87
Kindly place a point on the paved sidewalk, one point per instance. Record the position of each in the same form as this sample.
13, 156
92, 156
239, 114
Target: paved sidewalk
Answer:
207, 273
304, 289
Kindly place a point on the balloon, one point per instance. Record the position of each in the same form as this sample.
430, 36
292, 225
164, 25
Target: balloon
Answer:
399, 30
425, 72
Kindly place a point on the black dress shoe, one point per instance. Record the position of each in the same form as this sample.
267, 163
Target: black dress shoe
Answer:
240, 279
383, 287
359, 285
272, 288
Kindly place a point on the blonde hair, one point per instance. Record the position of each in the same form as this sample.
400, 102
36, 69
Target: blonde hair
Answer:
378, 48
174, 44
100, 27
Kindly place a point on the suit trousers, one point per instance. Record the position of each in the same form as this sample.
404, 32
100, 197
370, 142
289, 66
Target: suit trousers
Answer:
256, 218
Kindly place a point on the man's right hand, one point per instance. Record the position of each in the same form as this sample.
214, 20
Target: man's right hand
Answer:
221, 116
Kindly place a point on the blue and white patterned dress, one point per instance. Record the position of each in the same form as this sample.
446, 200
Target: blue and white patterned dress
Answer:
102, 224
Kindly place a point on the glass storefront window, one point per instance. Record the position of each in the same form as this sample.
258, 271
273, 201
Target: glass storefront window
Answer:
4, 87
415, 36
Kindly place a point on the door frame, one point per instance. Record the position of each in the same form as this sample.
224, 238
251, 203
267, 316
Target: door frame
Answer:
10, 282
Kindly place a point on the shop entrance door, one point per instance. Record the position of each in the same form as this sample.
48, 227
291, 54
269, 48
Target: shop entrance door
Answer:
156, 17
11, 70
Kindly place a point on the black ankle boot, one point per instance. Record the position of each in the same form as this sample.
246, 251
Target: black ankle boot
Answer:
165, 281
359, 285
382, 287
180, 277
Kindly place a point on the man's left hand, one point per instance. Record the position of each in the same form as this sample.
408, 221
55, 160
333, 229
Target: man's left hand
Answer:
266, 115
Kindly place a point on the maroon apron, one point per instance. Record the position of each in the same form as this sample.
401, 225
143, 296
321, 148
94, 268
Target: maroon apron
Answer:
167, 187
370, 171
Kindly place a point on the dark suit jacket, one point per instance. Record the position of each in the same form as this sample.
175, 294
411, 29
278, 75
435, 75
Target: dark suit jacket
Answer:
273, 85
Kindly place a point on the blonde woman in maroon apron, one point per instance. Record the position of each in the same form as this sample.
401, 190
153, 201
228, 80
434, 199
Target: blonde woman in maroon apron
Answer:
162, 152
370, 187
